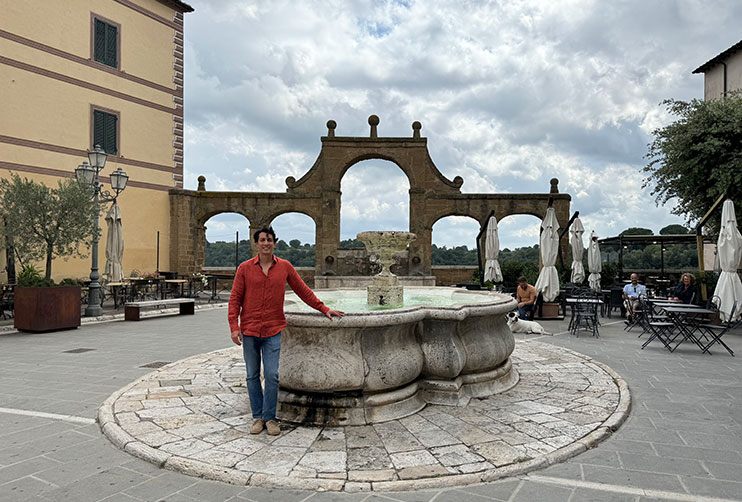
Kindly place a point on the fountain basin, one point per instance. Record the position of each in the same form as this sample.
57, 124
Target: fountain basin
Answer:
444, 346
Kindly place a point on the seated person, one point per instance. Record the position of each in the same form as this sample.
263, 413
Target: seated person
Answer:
526, 296
631, 294
685, 292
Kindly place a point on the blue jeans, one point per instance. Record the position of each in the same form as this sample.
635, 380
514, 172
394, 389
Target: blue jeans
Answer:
522, 311
263, 405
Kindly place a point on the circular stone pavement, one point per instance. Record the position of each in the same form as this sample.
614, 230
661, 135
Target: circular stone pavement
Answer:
193, 416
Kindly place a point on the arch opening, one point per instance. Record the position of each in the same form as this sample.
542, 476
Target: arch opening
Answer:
296, 235
226, 240
375, 196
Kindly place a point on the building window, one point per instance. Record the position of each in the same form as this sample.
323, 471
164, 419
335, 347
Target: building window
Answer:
105, 131
105, 42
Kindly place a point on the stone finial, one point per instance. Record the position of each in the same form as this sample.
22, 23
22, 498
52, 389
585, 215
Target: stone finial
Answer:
201, 184
416, 126
373, 121
554, 185
331, 125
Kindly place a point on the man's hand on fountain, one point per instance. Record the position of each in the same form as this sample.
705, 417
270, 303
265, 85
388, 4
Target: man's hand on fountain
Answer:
336, 313
237, 337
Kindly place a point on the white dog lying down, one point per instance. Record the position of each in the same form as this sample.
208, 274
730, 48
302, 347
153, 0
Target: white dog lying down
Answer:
518, 325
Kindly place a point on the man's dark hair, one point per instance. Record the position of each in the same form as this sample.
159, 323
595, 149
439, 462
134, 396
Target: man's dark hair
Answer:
268, 230
522, 278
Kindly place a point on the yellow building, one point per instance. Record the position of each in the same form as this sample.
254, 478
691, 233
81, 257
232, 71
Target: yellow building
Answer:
81, 72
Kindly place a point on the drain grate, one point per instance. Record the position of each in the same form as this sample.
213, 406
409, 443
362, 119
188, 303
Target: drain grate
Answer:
156, 364
77, 351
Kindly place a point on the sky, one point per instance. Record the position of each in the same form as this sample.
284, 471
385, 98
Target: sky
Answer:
510, 94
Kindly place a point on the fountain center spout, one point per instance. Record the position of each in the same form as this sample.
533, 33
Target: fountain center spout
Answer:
385, 288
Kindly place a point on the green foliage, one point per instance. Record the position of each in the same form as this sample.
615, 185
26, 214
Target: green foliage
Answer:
351, 244
528, 254
699, 156
674, 230
637, 231
67, 281
608, 274
295, 243
512, 270
31, 277
47, 222
459, 255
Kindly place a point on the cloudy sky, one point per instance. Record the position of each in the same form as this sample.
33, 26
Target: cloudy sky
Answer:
509, 93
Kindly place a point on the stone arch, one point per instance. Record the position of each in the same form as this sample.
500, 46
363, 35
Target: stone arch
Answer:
317, 194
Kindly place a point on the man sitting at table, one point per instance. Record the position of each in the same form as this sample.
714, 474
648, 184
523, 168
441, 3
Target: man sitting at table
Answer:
631, 293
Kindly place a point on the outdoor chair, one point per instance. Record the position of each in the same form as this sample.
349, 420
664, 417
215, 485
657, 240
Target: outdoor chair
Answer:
657, 326
615, 300
585, 314
6, 303
633, 318
712, 333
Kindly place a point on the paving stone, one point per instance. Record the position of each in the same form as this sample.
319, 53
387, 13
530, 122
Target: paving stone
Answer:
299, 437
325, 461
278, 460
369, 458
396, 437
412, 459
499, 453
455, 455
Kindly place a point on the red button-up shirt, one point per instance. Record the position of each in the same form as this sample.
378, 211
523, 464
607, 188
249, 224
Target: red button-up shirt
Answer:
256, 302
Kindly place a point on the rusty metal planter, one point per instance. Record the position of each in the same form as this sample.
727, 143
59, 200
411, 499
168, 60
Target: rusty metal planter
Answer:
47, 309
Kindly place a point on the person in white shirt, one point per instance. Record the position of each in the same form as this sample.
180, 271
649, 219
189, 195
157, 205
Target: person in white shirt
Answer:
631, 293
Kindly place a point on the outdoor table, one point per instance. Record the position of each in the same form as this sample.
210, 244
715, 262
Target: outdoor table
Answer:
180, 283
572, 301
147, 287
683, 317
118, 291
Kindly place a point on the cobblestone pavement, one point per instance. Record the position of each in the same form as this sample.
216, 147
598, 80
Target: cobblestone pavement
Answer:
194, 416
681, 442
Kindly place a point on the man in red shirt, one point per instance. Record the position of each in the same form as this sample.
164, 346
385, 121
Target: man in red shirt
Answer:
256, 320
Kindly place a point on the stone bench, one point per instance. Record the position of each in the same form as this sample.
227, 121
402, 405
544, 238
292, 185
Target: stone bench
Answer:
132, 309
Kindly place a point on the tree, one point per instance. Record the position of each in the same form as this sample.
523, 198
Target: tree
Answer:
674, 230
47, 222
637, 231
295, 243
698, 157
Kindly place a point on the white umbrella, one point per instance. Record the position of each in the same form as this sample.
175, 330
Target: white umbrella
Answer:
729, 250
491, 251
114, 245
575, 241
548, 279
593, 262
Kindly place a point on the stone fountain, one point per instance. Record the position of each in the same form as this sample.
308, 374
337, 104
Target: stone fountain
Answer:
395, 351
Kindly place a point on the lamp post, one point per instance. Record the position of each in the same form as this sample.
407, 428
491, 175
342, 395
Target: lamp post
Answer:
87, 174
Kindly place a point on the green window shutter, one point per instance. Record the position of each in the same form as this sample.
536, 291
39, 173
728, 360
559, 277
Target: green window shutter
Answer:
111, 46
105, 128
99, 129
110, 135
105, 43
99, 44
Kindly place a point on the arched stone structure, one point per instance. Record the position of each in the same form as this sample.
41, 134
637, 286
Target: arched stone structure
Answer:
317, 194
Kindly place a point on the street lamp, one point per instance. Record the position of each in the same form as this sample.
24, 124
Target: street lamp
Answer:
87, 174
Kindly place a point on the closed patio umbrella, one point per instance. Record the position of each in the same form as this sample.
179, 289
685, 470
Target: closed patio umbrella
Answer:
548, 279
114, 245
491, 251
578, 248
593, 262
729, 250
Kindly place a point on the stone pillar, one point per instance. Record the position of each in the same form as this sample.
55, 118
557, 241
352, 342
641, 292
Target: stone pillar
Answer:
420, 260
328, 234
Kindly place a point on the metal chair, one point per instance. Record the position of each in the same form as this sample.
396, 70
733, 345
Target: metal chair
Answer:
658, 327
714, 332
585, 313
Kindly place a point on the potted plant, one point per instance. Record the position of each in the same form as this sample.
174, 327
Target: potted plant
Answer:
46, 223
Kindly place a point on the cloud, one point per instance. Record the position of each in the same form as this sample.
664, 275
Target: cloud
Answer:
510, 95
